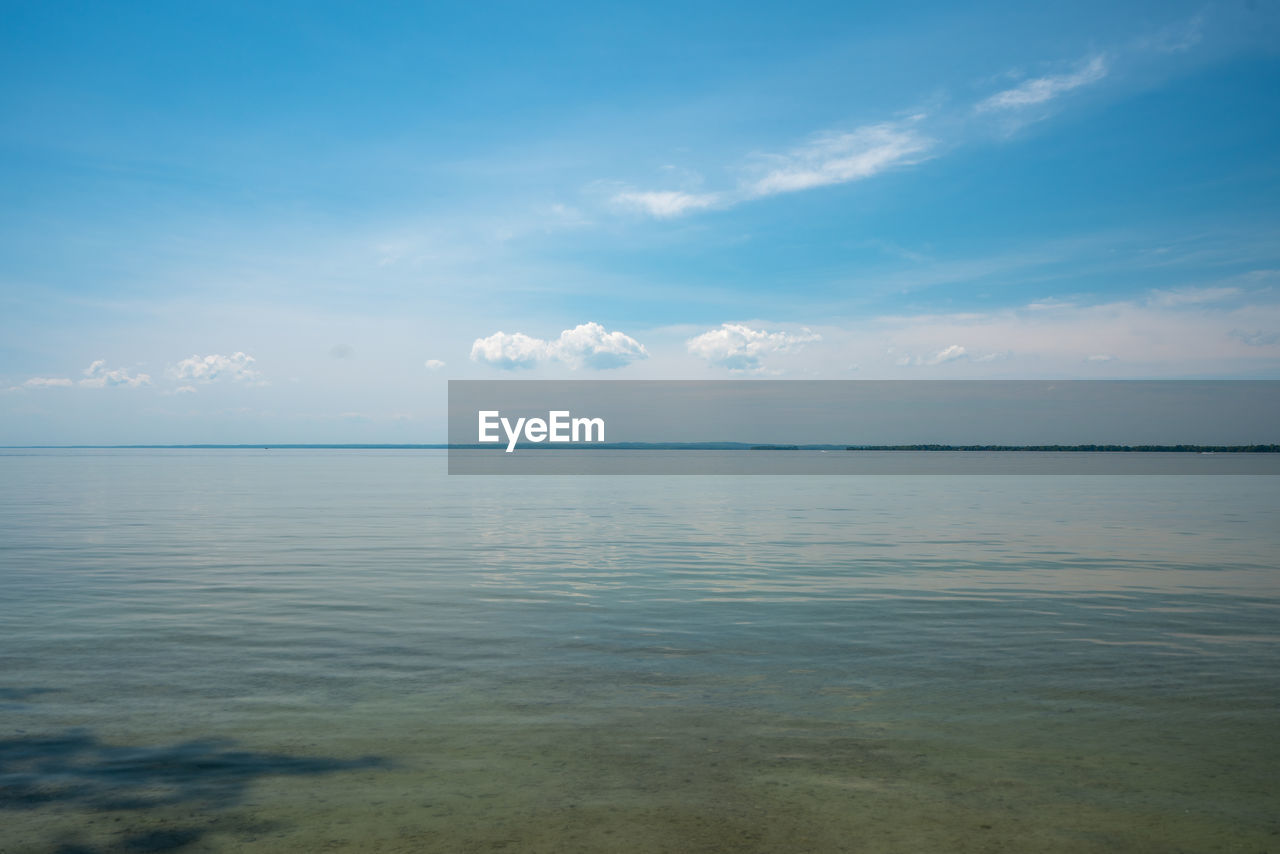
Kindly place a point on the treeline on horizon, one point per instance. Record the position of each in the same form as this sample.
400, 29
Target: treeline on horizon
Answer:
1164, 449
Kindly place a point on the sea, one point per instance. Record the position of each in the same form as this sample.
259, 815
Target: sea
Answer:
312, 650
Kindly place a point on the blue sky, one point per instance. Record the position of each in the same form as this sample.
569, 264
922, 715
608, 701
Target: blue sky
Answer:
293, 222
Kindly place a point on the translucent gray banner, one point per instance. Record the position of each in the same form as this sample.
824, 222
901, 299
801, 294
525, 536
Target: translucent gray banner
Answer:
864, 427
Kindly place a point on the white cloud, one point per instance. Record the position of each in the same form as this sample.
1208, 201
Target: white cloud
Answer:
1145, 334
838, 158
1049, 304
1132, 337
591, 345
1039, 90
97, 376
828, 158
740, 348
433, 364
47, 382
1191, 296
237, 367
509, 352
588, 345
665, 204
185, 389
946, 354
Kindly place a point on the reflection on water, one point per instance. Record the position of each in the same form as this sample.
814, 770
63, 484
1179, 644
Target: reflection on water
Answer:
328, 650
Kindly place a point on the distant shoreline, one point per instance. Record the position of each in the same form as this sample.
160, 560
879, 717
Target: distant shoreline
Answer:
694, 446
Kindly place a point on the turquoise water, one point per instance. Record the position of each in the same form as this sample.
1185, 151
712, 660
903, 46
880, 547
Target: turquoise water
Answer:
351, 651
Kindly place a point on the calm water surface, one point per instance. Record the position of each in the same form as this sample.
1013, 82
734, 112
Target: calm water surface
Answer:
351, 651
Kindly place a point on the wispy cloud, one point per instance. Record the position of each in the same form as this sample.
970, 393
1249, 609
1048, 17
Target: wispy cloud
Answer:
950, 353
48, 382
97, 375
1192, 296
1040, 90
664, 204
433, 364
832, 157
1174, 38
843, 156
741, 348
1144, 335
947, 354
1256, 337
588, 345
838, 158
1141, 335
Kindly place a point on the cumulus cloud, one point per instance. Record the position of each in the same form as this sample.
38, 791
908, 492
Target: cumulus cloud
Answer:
237, 367
838, 158
1040, 90
591, 345
433, 364
98, 376
665, 204
588, 345
740, 348
510, 352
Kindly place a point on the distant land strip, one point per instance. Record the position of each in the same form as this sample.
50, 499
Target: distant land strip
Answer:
1138, 449
693, 446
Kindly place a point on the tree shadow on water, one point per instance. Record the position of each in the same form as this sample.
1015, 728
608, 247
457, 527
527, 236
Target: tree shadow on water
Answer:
16, 698
76, 770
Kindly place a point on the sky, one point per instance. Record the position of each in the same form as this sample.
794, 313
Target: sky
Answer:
294, 222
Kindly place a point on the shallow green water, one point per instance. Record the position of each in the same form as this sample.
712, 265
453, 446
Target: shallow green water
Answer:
345, 650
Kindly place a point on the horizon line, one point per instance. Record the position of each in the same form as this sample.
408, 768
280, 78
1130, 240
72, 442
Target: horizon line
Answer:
1256, 447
